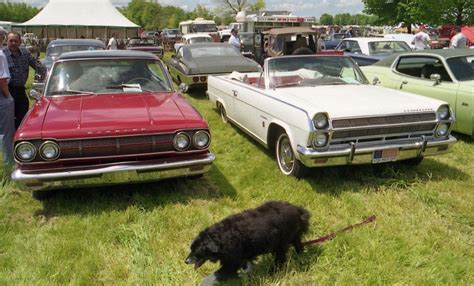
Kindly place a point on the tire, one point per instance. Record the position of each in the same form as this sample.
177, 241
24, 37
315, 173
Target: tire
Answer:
286, 159
42, 195
223, 114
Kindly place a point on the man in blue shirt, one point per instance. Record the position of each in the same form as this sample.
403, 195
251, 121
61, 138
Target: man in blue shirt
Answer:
7, 125
19, 63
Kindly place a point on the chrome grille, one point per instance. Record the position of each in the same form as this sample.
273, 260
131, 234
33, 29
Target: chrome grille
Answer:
383, 120
116, 146
382, 127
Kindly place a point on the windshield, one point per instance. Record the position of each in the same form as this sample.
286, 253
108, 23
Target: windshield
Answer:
388, 47
58, 50
200, 40
313, 71
204, 28
173, 32
462, 67
141, 42
107, 76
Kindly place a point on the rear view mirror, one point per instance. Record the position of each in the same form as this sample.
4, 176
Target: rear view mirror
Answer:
34, 94
375, 80
183, 87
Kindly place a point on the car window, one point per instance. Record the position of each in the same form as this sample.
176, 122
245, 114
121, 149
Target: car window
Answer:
107, 76
422, 67
58, 50
350, 46
179, 55
462, 67
387, 47
212, 51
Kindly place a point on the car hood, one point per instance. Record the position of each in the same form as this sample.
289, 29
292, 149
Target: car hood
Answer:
215, 65
109, 115
355, 100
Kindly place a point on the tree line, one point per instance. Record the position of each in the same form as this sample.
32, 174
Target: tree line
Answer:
151, 15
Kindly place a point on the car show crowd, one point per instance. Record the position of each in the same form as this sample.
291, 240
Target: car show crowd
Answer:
196, 58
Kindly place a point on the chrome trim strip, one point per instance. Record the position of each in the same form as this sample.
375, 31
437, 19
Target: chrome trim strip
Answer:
98, 176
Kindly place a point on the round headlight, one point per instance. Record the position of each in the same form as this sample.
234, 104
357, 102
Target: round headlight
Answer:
25, 151
181, 141
320, 121
443, 112
320, 140
201, 139
49, 151
442, 130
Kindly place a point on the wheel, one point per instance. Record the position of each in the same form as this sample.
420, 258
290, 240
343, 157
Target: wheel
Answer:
413, 162
286, 159
42, 195
223, 113
139, 80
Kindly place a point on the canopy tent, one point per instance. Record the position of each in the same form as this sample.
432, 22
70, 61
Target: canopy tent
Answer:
76, 18
468, 33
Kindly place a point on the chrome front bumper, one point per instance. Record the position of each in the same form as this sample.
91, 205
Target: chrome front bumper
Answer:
363, 153
110, 175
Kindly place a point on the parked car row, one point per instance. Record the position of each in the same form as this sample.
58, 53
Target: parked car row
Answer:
107, 117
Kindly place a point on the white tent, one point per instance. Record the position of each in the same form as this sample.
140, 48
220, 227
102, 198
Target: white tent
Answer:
75, 18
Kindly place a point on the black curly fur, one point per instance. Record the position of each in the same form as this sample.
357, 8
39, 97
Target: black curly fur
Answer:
239, 238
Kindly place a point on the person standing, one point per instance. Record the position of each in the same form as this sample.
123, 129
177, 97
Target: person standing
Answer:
7, 107
422, 39
234, 39
19, 63
459, 41
112, 45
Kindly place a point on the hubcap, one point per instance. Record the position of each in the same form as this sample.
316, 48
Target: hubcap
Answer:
287, 159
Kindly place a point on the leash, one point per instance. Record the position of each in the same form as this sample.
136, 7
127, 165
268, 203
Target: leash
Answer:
333, 234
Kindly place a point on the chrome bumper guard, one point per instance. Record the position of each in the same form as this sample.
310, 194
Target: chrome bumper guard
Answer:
110, 175
363, 153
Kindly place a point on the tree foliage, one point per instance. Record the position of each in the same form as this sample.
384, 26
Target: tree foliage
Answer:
17, 12
326, 19
347, 19
235, 6
434, 12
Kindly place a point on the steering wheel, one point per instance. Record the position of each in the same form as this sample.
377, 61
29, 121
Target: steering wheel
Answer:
140, 80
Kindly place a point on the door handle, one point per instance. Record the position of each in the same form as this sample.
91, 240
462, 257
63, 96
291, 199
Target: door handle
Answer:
403, 82
464, 104
235, 92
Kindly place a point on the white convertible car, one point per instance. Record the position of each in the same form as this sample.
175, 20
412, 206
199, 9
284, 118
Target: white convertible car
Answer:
316, 111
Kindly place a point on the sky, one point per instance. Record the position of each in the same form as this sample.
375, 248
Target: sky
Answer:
298, 7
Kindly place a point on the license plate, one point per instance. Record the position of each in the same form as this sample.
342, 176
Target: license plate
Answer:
386, 155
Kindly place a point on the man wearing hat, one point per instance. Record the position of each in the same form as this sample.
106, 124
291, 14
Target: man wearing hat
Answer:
7, 107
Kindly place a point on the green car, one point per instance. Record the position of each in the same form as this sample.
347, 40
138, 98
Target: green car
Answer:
443, 74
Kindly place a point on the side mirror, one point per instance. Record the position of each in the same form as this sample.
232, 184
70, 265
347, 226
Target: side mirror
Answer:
436, 78
34, 94
375, 80
183, 87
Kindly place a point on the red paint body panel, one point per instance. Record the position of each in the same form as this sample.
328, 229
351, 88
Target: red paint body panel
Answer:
118, 114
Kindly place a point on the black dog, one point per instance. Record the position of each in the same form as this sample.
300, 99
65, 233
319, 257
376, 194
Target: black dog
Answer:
238, 239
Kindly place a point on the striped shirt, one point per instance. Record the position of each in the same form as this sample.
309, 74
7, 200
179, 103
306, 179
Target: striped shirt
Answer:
19, 66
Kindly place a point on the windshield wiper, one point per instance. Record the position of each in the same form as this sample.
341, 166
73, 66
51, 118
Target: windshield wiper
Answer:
124, 85
71, 91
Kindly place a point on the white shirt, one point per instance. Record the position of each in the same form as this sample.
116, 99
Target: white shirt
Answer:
421, 41
459, 41
112, 44
235, 42
4, 71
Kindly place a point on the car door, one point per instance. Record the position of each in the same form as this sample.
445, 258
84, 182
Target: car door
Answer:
415, 72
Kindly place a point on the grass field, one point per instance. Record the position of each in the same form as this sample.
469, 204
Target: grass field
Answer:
140, 234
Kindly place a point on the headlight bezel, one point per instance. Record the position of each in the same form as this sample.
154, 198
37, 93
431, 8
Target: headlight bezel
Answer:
27, 143
447, 112
198, 133
176, 137
321, 126
446, 128
46, 144
315, 139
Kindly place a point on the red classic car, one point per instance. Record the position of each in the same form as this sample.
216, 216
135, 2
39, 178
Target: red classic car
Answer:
108, 117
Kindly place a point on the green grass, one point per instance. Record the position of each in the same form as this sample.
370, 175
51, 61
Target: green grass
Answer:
140, 234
